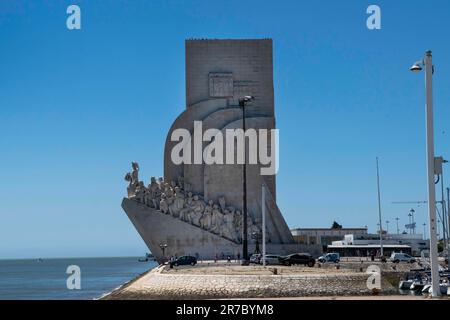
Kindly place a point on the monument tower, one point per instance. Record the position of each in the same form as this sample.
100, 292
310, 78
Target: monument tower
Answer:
197, 207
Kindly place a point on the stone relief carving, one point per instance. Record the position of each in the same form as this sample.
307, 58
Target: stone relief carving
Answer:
220, 85
176, 199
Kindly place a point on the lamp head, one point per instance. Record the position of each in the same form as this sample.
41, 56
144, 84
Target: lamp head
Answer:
243, 101
416, 67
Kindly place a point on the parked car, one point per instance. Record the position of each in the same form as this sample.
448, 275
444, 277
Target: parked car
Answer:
184, 260
397, 257
271, 259
255, 258
297, 258
329, 257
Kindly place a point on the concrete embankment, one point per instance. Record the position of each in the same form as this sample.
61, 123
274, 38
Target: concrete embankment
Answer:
222, 281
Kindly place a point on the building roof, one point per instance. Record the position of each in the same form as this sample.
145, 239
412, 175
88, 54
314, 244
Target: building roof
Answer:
350, 246
328, 229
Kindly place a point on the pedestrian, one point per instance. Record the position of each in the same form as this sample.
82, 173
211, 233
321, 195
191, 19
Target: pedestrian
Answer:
239, 256
228, 259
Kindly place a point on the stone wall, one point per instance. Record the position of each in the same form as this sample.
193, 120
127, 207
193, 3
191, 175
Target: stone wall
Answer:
156, 285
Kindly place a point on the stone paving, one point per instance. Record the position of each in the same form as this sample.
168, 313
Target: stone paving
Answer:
246, 282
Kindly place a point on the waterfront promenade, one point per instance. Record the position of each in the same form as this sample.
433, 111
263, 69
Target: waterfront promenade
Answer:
222, 280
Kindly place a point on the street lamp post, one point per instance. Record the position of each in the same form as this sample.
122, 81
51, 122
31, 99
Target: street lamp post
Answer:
263, 227
245, 261
428, 63
163, 247
379, 211
410, 224
398, 230
387, 227
448, 212
424, 231
413, 224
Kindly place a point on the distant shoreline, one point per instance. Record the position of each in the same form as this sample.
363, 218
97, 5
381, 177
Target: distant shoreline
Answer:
66, 258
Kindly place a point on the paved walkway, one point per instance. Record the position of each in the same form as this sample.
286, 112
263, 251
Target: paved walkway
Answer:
222, 281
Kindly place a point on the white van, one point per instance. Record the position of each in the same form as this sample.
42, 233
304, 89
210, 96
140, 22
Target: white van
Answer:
397, 257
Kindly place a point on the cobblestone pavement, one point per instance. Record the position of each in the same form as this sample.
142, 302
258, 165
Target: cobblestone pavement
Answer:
246, 282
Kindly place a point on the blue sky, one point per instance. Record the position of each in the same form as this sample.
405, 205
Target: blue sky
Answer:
77, 106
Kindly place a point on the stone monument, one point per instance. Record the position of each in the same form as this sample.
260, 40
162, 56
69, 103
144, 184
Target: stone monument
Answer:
197, 207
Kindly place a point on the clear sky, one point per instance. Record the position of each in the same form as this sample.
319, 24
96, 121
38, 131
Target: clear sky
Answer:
76, 107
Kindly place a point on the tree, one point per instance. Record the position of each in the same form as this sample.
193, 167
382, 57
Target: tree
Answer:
440, 245
336, 225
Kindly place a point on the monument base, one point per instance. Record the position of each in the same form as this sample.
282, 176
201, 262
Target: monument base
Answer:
176, 237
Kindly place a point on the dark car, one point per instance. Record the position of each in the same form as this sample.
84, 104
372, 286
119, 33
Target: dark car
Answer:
184, 260
298, 258
329, 257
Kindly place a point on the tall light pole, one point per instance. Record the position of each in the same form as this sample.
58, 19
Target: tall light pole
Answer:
163, 247
245, 261
398, 230
424, 231
410, 223
379, 210
263, 213
448, 211
413, 223
428, 63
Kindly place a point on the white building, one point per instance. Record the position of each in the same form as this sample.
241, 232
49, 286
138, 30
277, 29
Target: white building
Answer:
390, 241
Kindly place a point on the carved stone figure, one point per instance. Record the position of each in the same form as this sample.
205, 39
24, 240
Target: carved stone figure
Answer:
133, 179
228, 230
140, 192
238, 225
153, 184
135, 173
148, 197
206, 218
222, 203
177, 204
198, 204
186, 212
130, 189
163, 205
170, 195
216, 219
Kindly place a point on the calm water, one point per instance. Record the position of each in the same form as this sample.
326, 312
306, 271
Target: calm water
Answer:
31, 279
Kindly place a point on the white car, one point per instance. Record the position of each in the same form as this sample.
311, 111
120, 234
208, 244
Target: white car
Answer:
271, 259
397, 257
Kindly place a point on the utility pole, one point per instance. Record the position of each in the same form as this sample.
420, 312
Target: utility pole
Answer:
438, 170
379, 209
444, 209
